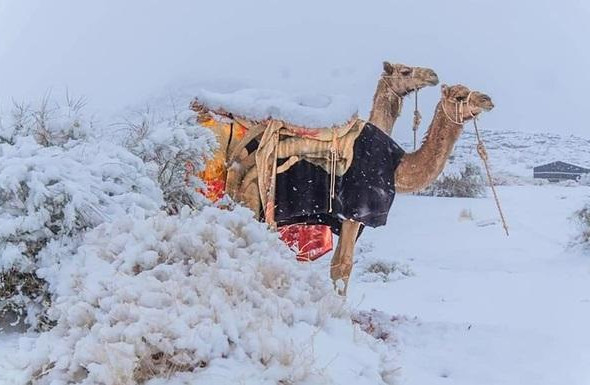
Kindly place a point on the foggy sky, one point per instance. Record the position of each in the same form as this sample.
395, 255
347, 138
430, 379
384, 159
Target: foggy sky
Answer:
530, 56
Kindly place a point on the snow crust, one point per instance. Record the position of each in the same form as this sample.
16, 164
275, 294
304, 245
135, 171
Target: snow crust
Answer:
308, 110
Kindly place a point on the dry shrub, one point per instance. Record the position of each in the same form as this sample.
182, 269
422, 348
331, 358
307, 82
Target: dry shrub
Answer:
166, 143
582, 218
56, 182
468, 184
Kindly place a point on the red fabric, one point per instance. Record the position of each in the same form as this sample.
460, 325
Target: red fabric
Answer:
310, 241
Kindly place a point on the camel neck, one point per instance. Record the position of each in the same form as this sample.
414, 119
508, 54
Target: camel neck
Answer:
386, 107
441, 136
420, 168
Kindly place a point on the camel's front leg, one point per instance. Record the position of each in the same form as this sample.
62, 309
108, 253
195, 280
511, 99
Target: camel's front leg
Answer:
342, 261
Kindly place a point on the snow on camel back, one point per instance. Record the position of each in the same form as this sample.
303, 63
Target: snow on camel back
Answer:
305, 110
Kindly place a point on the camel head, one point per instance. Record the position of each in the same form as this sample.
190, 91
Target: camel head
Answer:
403, 79
460, 104
457, 105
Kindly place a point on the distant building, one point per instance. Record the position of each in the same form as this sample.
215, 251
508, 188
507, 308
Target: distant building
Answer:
558, 171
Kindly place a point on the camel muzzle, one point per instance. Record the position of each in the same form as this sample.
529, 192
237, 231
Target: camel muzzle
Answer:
432, 78
482, 101
427, 75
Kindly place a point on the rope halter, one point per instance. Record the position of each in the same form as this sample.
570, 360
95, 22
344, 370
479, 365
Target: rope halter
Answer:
417, 118
460, 107
398, 96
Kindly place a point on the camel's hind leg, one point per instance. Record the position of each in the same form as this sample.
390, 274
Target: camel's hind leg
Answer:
341, 265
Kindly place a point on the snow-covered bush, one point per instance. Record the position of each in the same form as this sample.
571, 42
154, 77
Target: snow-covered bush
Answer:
584, 180
51, 123
582, 218
196, 298
166, 142
55, 183
468, 184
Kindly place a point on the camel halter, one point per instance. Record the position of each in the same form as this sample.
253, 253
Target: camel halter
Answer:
417, 118
400, 98
481, 148
417, 115
459, 110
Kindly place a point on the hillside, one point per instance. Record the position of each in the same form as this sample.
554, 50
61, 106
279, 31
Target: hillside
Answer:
513, 154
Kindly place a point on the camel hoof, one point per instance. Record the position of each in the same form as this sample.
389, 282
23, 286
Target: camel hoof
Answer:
340, 287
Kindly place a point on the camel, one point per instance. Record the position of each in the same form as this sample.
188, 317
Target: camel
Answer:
418, 169
397, 81
415, 171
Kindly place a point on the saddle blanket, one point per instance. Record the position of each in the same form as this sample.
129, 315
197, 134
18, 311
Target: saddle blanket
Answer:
364, 193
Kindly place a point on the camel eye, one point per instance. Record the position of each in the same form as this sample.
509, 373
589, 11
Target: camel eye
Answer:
406, 71
461, 98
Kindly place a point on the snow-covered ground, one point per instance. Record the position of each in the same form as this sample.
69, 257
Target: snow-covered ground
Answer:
483, 308
515, 153
475, 306
453, 299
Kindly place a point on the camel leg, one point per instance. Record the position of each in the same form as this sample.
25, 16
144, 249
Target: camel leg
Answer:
341, 265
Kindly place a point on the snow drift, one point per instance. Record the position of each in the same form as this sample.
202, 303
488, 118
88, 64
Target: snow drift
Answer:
206, 297
130, 294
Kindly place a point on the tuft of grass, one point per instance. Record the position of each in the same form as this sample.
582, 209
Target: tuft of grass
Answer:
387, 271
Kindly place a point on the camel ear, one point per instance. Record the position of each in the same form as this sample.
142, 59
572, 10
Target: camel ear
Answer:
387, 68
444, 90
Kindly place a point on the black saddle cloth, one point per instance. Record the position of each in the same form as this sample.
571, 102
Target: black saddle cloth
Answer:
364, 193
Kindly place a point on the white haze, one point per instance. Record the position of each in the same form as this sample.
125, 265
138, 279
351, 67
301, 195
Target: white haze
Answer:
528, 55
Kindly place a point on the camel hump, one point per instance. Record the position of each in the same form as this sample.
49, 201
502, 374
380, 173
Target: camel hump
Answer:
312, 111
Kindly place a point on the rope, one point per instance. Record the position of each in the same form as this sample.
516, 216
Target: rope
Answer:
483, 154
481, 149
417, 115
459, 110
417, 119
267, 181
231, 134
333, 160
459, 119
399, 98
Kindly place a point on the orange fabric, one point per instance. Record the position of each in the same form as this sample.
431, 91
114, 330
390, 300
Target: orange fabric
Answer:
310, 241
215, 172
